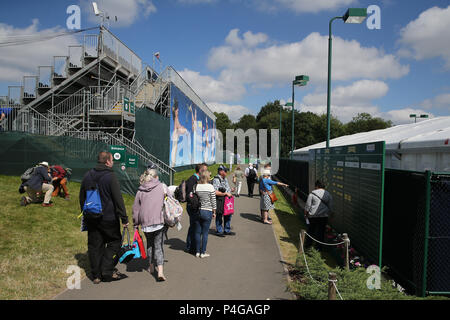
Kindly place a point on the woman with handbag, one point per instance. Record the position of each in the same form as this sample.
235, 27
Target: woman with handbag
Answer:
267, 195
147, 213
207, 197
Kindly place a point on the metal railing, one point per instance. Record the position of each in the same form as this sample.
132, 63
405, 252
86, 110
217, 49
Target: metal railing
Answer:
115, 49
171, 75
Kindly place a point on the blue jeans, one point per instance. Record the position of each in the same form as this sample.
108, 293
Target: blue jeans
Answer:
220, 220
190, 240
202, 230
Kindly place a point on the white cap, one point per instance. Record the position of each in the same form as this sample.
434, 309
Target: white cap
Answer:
44, 163
267, 172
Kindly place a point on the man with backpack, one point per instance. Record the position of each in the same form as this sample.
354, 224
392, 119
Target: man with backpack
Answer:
252, 177
37, 185
192, 211
104, 236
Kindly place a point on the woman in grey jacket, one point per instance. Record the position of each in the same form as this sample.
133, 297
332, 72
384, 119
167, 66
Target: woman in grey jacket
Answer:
147, 212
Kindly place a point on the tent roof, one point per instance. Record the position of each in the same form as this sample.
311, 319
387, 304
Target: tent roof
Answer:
433, 132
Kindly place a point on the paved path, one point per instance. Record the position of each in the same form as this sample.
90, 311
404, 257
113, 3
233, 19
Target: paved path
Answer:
244, 266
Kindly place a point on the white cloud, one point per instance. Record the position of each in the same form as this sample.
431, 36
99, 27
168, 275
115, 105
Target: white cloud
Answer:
359, 93
427, 36
344, 113
210, 89
249, 39
277, 64
234, 112
401, 116
17, 61
196, 1
127, 11
441, 101
315, 6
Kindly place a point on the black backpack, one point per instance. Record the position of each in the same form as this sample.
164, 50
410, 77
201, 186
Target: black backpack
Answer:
251, 174
194, 199
180, 192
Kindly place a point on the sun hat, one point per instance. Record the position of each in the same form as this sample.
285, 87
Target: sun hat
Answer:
222, 168
267, 172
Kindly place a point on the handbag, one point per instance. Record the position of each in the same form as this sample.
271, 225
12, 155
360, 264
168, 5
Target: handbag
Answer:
228, 206
138, 238
272, 194
126, 252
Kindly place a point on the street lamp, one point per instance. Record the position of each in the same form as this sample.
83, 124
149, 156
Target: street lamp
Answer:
298, 81
353, 15
413, 115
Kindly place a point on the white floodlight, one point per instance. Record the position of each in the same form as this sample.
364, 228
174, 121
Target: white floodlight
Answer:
96, 11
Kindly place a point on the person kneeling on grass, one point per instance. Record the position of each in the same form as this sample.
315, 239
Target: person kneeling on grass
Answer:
60, 182
38, 185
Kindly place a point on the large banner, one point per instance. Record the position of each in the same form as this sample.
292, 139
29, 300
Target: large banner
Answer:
192, 132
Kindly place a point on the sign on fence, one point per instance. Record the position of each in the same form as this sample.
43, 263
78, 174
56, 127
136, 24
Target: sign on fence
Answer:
118, 152
354, 175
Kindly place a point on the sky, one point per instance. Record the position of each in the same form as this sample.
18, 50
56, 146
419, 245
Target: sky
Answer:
240, 54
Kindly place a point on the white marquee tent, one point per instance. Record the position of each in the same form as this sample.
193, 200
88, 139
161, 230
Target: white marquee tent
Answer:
420, 146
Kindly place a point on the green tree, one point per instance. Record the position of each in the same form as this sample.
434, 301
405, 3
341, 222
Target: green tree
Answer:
269, 108
246, 122
364, 122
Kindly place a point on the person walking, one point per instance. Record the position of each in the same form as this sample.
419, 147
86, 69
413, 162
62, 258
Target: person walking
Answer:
60, 182
39, 184
104, 236
265, 188
207, 196
147, 213
193, 214
238, 177
222, 188
317, 208
252, 176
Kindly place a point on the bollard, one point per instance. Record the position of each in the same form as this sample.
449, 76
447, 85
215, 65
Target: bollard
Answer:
331, 288
302, 241
346, 245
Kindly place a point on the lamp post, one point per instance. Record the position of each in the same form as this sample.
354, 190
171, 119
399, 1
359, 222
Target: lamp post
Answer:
413, 115
353, 15
298, 81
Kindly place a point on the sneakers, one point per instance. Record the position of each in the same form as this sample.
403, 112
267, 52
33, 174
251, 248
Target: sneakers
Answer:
204, 255
47, 204
23, 202
231, 233
198, 255
97, 281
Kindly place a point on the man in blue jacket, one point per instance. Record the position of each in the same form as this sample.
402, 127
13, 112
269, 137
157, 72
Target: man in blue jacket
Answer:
40, 183
104, 236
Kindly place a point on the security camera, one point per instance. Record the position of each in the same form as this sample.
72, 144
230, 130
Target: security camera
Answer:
96, 11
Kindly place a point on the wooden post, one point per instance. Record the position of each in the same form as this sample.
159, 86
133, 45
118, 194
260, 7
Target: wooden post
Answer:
331, 288
302, 241
346, 245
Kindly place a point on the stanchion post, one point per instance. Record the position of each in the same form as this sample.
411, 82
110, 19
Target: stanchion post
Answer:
302, 241
331, 288
346, 245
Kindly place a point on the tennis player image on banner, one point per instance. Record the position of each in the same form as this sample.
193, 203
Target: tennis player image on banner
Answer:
191, 140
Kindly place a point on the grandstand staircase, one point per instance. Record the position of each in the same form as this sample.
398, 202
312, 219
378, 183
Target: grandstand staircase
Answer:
67, 98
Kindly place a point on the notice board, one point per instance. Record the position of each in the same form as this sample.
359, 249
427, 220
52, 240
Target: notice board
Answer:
354, 175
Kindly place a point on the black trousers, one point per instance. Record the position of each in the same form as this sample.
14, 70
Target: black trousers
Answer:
251, 186
316, 229
104, 242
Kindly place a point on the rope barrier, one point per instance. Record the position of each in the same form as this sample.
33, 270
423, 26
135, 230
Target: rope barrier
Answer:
307, 267
325, 244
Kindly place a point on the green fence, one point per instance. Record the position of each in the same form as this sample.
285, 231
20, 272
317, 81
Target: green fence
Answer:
417, 230
295, 174
20, 151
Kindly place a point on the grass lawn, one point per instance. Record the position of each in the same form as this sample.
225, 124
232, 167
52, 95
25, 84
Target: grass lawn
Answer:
184, 175
37, 244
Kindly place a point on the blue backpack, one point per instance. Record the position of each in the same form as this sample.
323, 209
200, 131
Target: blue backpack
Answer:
92, 207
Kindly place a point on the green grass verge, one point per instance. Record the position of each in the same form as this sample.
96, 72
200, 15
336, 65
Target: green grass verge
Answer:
37, 244
184, 175
352, 284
